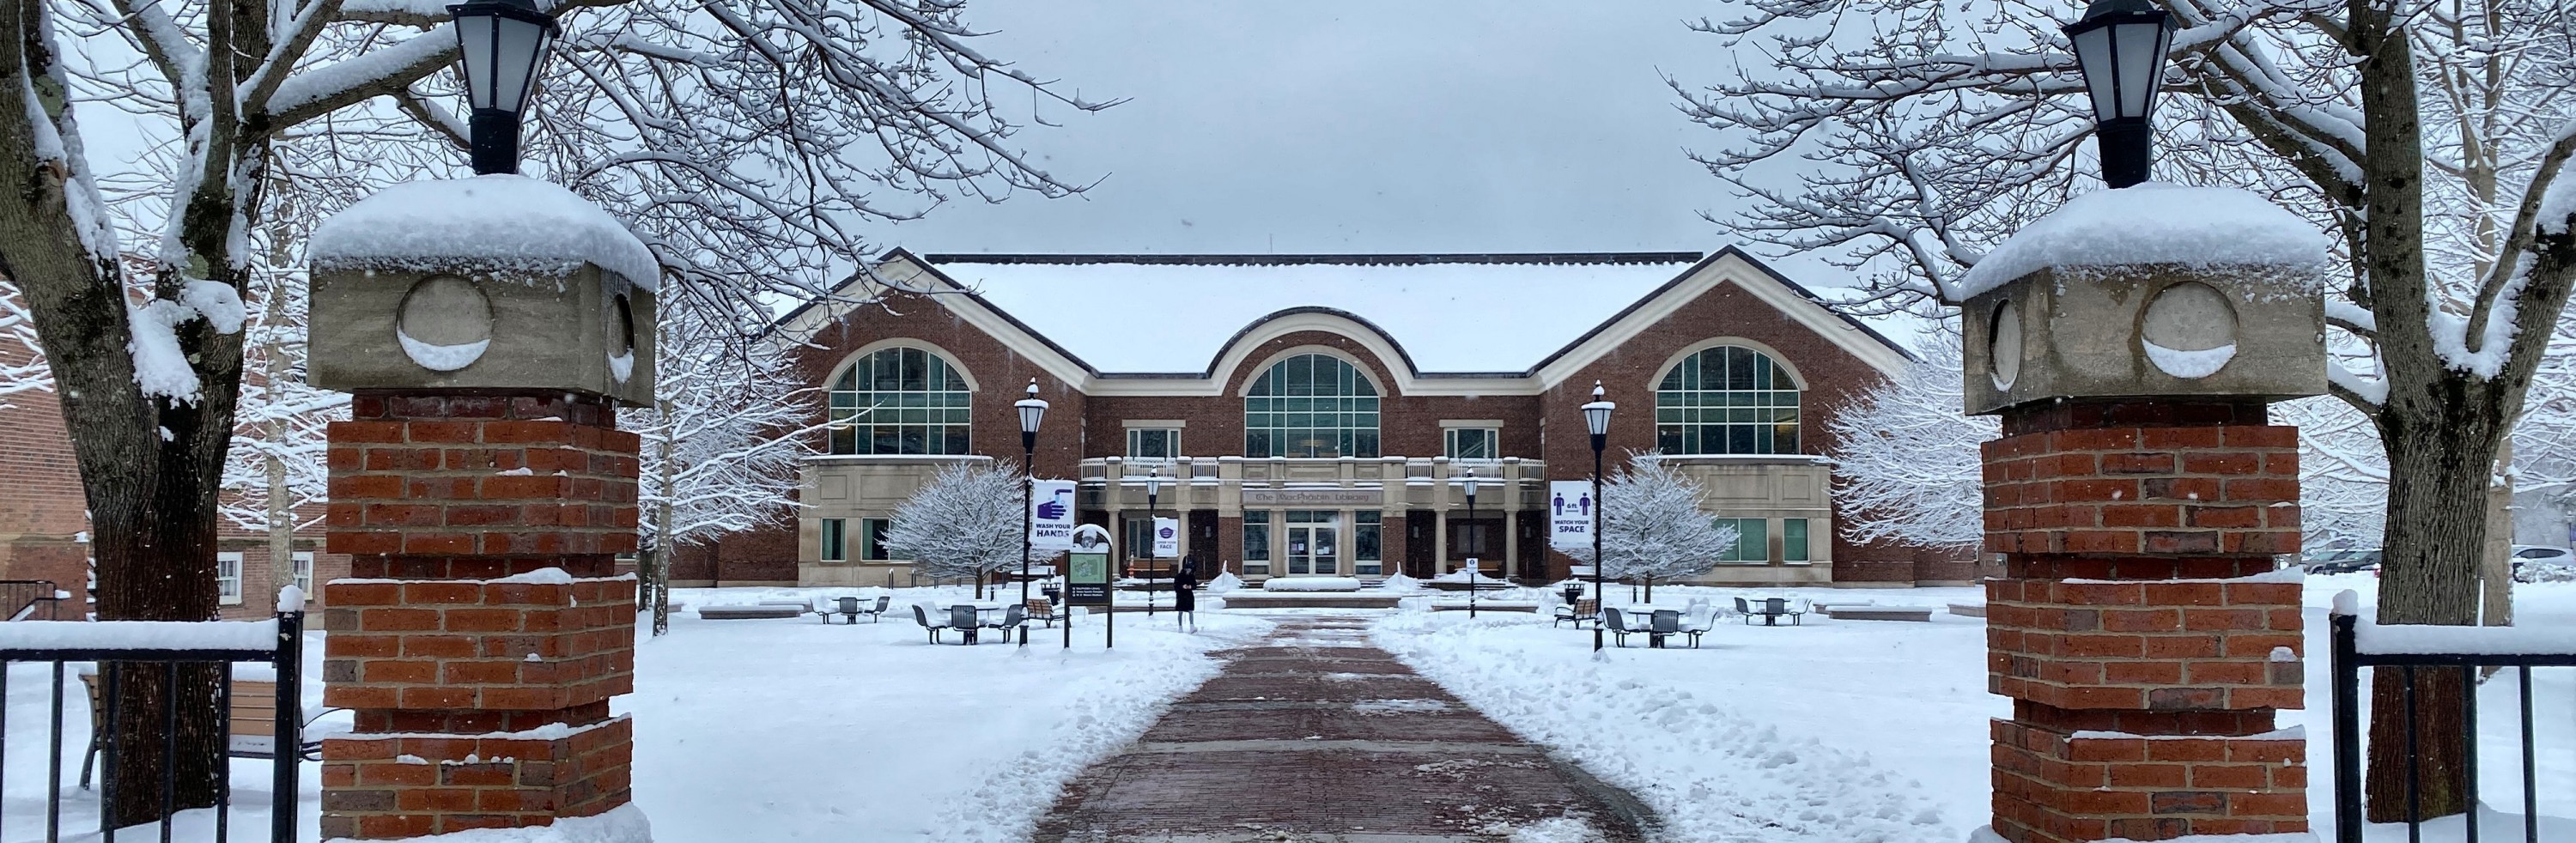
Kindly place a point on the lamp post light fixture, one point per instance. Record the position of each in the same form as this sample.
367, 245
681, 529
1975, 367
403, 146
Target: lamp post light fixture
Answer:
504, 43
1032, 411
2120, 47
1472, 559
1596, 418
1153, 489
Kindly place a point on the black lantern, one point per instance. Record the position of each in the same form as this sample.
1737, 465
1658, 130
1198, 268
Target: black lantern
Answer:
2120, 46
1596, 417
1032, 410
504, 43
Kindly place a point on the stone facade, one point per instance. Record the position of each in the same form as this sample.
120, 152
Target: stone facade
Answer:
1723, 300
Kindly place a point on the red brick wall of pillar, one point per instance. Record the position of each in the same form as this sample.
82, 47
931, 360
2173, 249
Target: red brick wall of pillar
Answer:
2145, 667
480, 688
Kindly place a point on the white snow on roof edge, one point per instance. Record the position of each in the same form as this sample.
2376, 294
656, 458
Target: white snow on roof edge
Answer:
507, 224
2153, 223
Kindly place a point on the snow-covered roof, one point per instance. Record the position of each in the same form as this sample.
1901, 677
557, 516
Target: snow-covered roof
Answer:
2152, 223
506, 224
1449, 313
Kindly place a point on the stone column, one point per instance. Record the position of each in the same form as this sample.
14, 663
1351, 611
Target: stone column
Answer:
2139, 629
487, 330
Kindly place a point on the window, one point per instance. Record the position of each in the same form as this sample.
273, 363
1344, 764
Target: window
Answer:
1727, 400
1366, 539
1793, 539
304, 571
1310, 405
1752, 539
1140, 537
1472, 443
872, 533
1475, 538
836, 546
1256, 541
899, 401
1153, 444
228, 577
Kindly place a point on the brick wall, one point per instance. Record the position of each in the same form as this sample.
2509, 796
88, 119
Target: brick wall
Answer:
480, 486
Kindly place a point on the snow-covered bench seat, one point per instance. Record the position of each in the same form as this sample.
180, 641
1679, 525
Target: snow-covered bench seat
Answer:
744, 613
1968, 610
1880, 613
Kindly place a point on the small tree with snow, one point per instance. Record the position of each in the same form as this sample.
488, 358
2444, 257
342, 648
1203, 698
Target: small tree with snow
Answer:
964, 523
722, 446
1908, 468
1653, 527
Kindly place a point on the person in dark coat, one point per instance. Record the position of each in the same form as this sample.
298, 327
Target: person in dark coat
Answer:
1185, 600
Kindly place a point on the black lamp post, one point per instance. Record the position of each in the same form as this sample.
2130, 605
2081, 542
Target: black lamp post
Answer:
2120, 46
1032, 410
1472, 560
1153, 489
1596, 417
504, 43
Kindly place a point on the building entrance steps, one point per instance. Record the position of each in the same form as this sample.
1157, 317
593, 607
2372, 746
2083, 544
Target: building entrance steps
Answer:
1314, 736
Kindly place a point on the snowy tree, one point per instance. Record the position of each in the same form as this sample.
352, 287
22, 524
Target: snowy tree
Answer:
964, 523
1652, 526
278, 462
748, 142
1909, 468
2429, 139
722, 445
22, 358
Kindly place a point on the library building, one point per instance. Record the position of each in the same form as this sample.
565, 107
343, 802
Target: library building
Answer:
1332, 415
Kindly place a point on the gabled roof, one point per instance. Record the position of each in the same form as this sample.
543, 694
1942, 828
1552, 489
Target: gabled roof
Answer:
1467, 306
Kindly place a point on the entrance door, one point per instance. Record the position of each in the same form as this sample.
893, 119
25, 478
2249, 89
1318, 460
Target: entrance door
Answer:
1314, 546
1418, 540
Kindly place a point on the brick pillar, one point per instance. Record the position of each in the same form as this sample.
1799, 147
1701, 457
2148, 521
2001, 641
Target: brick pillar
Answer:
482, 632
2144, 654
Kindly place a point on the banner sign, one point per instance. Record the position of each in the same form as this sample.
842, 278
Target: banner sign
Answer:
1569, 514
1167, 538
1051, 515
1087, 567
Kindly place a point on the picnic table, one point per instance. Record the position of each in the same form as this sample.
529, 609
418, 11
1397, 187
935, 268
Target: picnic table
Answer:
1640, 617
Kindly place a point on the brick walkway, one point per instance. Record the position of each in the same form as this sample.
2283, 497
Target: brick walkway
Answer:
1314, 736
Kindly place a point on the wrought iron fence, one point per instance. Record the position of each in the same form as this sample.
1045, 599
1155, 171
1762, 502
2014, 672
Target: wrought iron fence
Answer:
30, 600
123, 648
2423, 650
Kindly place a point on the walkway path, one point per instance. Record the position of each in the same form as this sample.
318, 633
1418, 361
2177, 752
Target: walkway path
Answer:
1314, 736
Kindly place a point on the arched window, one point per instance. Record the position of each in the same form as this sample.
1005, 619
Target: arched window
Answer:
1727, 400
1310, 405
899, 401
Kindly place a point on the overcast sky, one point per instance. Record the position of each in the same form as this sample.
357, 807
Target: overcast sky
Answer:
1424, 126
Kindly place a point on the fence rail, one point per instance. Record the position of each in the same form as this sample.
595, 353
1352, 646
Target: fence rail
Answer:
27, 600
2419, 650
123, 648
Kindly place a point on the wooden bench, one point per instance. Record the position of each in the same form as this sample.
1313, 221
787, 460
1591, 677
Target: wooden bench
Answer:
251, 729
1881, 613
745, 613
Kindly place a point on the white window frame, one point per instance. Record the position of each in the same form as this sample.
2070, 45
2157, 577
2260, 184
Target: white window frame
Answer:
1172, 443
304, 571
1493, 437
229, 585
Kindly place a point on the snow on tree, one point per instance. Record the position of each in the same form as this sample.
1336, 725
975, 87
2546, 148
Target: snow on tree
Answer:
964, 523
278, 462
749, 143
722, 446
1909, 468
22, 358
1652, 526
2430, 141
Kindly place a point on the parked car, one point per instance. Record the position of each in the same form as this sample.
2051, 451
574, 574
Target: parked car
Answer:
2530, 559
2345, 561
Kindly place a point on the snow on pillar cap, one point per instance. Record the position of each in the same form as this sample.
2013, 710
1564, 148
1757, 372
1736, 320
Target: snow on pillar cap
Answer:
509, 225
2153, 223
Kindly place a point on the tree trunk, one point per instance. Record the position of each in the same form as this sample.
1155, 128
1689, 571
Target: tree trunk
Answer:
2495, 560
281, 500
2437, 521
657, 573
1650, 589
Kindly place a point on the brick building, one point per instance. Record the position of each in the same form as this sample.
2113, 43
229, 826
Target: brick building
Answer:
1330, 432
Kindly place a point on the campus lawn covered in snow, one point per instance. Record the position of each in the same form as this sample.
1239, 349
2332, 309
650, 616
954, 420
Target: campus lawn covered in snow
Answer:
1862, 730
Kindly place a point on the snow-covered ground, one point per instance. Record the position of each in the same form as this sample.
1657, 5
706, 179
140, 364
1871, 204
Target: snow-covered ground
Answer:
1859, 730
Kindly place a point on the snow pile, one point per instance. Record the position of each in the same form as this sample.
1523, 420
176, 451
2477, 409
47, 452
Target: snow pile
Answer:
1400, 582
1225, 581
1311, 584
622, 824
2152, 223
2559, 203
1463, 575
506, 225
2198, 363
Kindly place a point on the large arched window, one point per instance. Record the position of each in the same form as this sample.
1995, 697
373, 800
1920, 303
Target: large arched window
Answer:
899, 401
1310, 405
1727, 400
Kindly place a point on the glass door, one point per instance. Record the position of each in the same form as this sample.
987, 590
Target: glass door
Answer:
1301, 549
1314, 542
